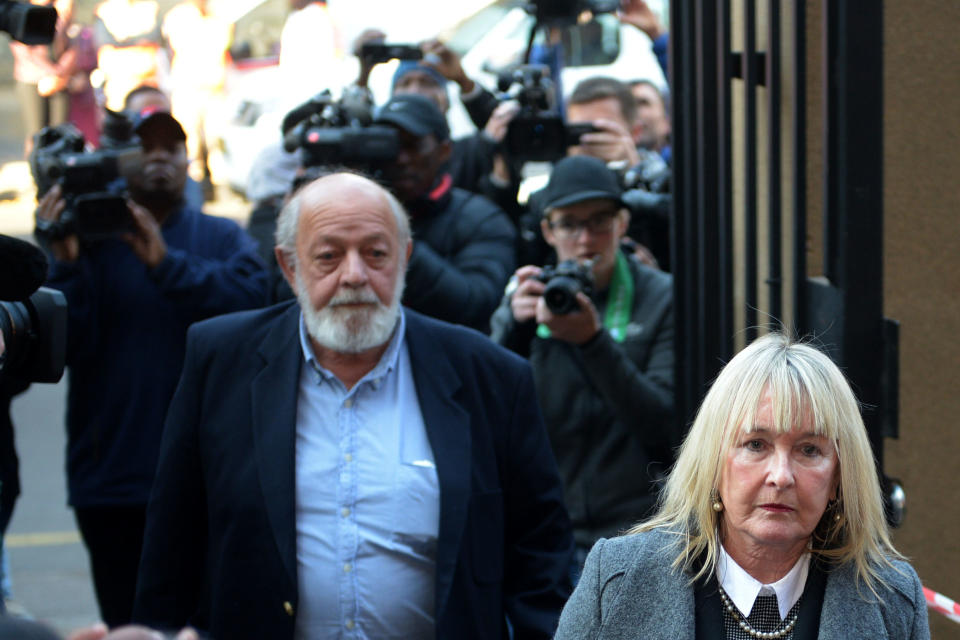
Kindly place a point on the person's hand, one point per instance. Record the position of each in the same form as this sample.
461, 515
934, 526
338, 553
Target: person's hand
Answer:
447, 63
146, 239
99, 631
366, 65
523, 302
49, 210
496, 128
576, 327
639, 14
49, 85
611, 143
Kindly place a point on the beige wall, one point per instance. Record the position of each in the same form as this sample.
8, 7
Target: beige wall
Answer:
922, 279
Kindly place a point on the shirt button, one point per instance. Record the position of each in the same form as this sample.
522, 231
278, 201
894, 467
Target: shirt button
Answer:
348, 457
347, 568
345, 512
348, 403
349, 624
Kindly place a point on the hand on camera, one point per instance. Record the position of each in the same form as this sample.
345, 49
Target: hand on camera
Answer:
366, 65
639, 14
611, 143
146, 239
577, 327
523, 302
447, 63
49, 209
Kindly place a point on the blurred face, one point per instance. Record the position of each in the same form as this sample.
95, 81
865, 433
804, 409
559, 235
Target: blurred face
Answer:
415, 170
775, 487
153, 100
164, 170
348, 273
652, 118
589, 230
424, 84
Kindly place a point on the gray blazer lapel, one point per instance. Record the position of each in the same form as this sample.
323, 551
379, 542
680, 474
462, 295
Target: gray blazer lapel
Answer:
448, 429
848, 613
274, 416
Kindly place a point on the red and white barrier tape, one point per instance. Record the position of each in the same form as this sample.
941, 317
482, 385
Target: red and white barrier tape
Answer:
942, 604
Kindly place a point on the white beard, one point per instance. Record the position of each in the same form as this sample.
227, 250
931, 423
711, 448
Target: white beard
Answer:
347, 329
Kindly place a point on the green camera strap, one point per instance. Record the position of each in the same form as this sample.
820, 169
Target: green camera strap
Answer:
617, 314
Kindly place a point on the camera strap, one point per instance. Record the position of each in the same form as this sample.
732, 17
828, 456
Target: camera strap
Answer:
619, 302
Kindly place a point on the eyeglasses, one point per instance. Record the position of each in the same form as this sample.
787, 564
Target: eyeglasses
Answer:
598, 224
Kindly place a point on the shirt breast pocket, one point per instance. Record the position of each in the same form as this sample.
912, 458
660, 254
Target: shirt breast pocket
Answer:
416, 521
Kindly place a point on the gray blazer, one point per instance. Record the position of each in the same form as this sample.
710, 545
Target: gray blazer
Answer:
629, 590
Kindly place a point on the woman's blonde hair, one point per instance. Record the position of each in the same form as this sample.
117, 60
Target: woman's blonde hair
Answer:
804, 385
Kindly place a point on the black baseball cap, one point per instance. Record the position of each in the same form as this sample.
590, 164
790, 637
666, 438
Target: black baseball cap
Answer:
415, 114
578, 179
159, 121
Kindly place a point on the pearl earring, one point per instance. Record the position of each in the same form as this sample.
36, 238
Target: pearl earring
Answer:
717, 505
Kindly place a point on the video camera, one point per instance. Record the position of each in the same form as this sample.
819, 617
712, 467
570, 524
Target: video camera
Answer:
564, 12
28, 23
93, 182
339, 132
537, 133
564, 281
33, 319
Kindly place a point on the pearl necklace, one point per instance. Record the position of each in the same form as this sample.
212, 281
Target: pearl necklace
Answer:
766, 635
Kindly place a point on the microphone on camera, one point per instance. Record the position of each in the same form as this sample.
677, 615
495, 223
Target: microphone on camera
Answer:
23, 269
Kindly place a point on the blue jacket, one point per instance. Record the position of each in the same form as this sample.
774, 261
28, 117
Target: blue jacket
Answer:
220, 546
126, 336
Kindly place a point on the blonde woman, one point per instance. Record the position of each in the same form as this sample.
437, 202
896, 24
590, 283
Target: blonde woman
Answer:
771, 524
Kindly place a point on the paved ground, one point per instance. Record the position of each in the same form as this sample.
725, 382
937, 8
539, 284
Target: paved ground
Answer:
51, 578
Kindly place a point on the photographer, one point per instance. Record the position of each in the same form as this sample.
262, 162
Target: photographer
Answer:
463, 250
603, 365
132, 295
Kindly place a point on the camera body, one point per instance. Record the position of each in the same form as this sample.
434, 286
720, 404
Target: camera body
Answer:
563, 282
28, 23
378, 52
35, 336
537, 133
332, 132
93, 182
566, 12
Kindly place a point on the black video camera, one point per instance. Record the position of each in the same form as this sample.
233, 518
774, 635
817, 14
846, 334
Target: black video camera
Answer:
35, 336
378, 52
564, 281
537, 133
566, 12
332, 132
28, 23
93, 182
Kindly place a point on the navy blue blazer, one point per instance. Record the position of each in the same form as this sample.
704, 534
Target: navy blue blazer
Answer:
220, 545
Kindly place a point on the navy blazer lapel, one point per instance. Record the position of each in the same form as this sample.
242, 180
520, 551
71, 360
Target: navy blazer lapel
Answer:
274, 415
448, 429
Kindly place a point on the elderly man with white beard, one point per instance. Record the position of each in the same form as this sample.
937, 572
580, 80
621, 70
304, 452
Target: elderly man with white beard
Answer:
343, 467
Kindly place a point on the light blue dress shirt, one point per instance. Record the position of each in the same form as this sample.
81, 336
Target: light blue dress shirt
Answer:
367, 502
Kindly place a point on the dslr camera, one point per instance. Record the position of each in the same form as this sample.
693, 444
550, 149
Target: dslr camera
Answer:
28, 23
564, 281
537, 133
93, 182
378, 52
332, 132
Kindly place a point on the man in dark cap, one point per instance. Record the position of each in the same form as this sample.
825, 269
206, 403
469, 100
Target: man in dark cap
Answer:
464, 245
603, 366
132, 290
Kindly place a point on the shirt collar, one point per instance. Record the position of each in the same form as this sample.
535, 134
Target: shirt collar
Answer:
388, 361
743, 589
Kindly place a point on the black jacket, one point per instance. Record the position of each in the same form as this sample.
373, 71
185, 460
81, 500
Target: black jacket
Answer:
608, 406
463, 255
